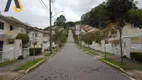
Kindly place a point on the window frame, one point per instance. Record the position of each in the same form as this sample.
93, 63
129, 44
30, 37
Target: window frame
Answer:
11, 28
1, 26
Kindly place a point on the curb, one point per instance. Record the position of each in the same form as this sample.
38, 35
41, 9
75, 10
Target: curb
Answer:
34, 66
17, 78
119, 68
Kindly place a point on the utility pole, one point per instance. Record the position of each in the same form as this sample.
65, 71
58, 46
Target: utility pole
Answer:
50, 14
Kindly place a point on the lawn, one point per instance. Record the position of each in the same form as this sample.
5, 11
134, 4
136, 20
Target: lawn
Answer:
124, 66
48, 53
7, 63
89, 51
107, 53
53, 53
29, 64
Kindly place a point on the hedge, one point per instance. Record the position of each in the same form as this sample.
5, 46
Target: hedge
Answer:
137, 56
37, 51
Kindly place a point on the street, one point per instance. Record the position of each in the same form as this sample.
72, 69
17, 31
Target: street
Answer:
73, 64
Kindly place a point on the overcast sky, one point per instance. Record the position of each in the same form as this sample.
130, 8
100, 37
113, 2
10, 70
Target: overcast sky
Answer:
36, 15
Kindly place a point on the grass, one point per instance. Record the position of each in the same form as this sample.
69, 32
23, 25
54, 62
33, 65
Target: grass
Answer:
89, 51
7, 63
29, 64
48, 53
107, 53
93, 53
124, 66
53, 53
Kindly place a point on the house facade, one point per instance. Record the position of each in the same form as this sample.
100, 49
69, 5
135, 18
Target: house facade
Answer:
10, 47
131, 41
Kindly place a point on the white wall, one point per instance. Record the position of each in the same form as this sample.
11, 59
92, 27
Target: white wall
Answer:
12, 51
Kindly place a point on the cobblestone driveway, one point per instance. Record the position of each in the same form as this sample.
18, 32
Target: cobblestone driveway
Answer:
73, 64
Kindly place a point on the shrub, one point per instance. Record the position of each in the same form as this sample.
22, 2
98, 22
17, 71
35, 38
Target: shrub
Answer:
24, 38
137, 56
37, 51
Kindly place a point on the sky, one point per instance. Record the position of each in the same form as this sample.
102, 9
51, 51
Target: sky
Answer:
36, 15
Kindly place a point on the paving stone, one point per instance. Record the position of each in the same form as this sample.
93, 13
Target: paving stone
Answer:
73, 64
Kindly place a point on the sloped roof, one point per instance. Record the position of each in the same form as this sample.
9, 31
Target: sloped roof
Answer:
89, 29
109, 27
15, 22
86, 28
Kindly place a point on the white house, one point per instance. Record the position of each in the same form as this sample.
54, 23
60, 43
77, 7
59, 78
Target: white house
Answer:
131, 41
10, 48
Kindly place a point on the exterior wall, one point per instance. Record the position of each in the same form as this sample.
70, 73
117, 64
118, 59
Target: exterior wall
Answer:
127, 46
5, 27
16, 29
78, 30
12, 51
39, 39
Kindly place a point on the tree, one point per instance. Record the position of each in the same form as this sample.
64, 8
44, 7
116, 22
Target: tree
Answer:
97, 17
60, 21
70, 24
59, 37
105, 35
117, 11
134, 16
88, 38
24, 38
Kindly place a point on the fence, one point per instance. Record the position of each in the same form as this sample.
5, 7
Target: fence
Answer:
25, 52
13, 54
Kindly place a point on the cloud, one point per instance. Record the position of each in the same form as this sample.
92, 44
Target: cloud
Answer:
36, 15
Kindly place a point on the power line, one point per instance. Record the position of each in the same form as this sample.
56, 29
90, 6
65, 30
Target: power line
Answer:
54, 11
54, 8
43, 6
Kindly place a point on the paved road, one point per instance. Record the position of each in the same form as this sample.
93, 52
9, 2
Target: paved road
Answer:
73, 64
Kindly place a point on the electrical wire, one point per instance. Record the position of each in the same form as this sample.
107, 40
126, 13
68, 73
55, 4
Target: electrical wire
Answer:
43, 6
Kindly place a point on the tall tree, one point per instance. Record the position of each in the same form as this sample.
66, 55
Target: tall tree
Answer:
60, 21
117, 11
70, 24
97, 17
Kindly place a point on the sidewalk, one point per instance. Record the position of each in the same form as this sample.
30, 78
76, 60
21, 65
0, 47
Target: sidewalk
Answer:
135, 67
7, 72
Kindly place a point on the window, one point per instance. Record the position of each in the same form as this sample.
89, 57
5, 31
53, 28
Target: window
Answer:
10, 42
1, 25
33, 34
11, 27
27, 32
21, 30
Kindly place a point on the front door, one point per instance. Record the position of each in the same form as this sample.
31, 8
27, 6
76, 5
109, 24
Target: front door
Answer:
1, 49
